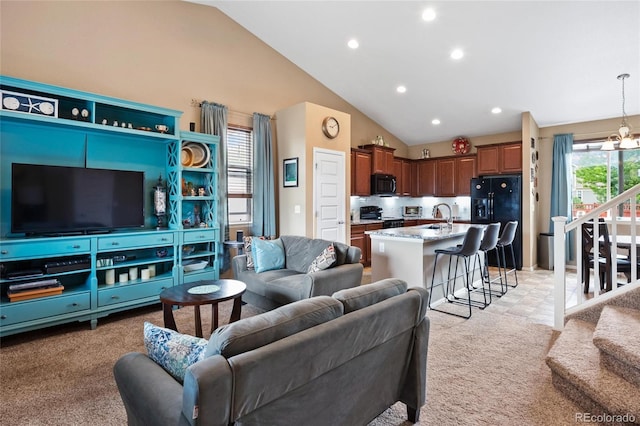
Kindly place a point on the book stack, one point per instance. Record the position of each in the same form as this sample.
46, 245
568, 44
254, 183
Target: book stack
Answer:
34, 289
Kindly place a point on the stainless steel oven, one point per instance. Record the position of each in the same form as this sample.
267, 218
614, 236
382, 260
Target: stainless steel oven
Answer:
412, 211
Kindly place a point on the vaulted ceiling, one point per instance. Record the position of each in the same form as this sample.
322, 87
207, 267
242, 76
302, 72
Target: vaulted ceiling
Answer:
557, 59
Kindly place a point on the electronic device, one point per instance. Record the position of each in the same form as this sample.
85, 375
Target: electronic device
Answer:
59, 199
383, 185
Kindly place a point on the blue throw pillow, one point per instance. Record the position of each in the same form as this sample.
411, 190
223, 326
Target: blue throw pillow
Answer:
173, 351
267, 254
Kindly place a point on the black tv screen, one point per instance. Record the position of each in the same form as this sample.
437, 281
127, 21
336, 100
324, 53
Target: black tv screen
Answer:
57, 200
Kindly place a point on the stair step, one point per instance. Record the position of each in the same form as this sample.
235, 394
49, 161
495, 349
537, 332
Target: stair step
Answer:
575, 363
617, 335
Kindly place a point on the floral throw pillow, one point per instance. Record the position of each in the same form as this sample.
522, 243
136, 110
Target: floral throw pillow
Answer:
248, 252
173, 351
325, 260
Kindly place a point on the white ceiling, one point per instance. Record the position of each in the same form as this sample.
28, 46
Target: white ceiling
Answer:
557, 59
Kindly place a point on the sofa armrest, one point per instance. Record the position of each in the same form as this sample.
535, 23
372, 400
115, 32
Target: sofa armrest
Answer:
328, 281
208, 391
239, 265
143, 384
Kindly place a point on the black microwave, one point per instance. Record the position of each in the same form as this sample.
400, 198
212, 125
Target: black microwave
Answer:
382, 184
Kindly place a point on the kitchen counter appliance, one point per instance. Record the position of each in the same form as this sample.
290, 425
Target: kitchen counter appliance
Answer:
370, 213
411, 211
383, 185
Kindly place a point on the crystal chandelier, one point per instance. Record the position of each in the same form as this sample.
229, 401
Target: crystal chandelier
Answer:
623, 137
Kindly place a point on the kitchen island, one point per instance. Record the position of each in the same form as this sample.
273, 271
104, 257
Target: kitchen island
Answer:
409, 253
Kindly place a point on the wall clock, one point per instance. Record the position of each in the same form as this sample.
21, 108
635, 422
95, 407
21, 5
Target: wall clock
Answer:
330, 127
29, 104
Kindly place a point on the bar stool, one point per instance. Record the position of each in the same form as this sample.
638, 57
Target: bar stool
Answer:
506, 240
466, 251
489, 243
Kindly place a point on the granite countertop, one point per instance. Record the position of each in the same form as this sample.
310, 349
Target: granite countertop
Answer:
423, 232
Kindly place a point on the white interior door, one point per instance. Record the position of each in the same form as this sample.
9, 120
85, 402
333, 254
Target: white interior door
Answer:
328, 195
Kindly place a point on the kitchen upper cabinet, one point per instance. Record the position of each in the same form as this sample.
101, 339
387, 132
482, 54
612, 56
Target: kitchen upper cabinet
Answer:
402, 172
381, 159
360, 172
465, 171
500, 159
512, 158
446, 177
425, 178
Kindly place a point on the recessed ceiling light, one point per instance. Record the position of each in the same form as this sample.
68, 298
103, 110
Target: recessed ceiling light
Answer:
429, 14
435, 121
496, 110
401, 89
353, 43
457, 54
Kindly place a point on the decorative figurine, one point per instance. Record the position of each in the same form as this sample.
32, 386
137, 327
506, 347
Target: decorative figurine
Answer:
160, 202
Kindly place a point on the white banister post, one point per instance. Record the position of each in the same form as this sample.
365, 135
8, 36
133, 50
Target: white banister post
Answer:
559, 267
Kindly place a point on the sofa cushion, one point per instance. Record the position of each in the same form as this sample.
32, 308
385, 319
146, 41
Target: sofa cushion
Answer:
370, 294
268, 255
341, 253
300, 251
324, 260
248, 250
173, 351
254, 332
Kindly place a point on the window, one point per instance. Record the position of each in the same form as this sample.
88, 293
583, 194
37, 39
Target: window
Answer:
239, 174
599, 176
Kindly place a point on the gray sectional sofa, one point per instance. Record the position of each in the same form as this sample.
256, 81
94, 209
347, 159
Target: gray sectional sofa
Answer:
339, 360
270, 289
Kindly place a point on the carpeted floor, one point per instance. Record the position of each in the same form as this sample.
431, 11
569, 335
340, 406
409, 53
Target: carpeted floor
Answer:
487, 370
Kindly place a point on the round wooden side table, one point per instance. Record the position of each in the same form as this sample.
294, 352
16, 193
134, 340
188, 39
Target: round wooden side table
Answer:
196, 294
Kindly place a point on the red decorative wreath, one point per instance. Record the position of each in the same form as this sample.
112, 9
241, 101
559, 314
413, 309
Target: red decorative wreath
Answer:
460, 145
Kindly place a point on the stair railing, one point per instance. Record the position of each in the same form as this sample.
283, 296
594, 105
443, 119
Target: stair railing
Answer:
561, 228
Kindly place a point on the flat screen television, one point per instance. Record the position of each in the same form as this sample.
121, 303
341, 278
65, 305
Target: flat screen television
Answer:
66, 200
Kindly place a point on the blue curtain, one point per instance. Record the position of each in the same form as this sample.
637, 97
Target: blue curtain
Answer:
264, 194
561, 184
214, 122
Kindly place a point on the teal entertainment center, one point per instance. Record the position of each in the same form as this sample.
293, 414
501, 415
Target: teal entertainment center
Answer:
47, 125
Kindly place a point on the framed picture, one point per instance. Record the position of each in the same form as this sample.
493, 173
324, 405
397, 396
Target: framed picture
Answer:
290, 172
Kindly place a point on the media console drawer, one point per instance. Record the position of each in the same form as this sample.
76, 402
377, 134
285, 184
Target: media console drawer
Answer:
133, 241
126, 293
38, 248
44, 307
199, 236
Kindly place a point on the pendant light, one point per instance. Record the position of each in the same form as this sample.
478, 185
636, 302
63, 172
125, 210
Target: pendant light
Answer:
623, 137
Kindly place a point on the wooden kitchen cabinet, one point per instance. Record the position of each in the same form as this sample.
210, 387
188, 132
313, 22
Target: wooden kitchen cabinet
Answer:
446, 177
425, 178
454, 174
360, 172
410, 222
500, 159
512, 158
381, 159
465, 171
402, 172
358, 240
367, 239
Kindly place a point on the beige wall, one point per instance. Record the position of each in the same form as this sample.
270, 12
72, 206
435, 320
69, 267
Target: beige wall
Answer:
299, 130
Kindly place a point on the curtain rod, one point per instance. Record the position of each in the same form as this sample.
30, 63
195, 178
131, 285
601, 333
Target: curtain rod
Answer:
599, 134
198, 103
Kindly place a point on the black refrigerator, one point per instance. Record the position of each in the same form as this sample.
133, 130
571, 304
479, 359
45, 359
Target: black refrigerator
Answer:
499, 199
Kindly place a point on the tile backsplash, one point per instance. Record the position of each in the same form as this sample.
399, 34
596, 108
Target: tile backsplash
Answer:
392, 206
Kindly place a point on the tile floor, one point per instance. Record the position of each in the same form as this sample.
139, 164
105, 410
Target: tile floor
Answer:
532, 298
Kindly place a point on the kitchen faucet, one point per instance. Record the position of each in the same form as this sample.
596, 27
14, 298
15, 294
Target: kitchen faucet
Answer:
449, 219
